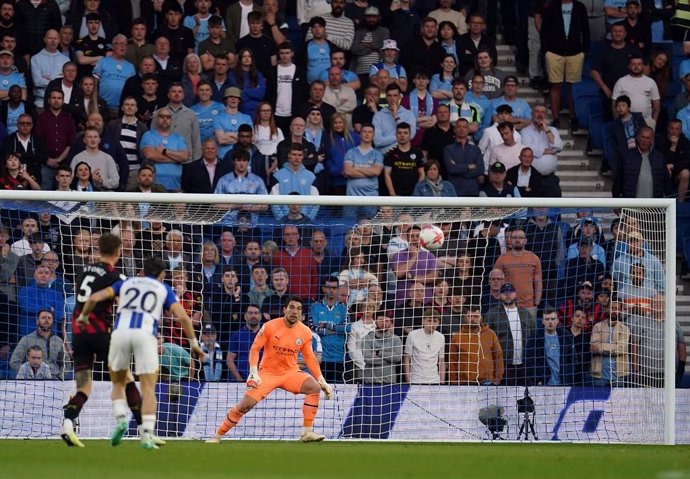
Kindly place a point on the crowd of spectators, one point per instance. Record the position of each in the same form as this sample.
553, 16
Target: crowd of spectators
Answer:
357, 98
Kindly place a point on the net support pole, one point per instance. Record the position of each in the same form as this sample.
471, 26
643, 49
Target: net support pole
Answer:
670, 329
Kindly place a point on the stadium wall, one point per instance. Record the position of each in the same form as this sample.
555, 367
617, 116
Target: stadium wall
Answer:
397, 412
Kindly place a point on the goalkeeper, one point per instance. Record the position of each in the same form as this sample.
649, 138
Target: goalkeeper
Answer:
282, 340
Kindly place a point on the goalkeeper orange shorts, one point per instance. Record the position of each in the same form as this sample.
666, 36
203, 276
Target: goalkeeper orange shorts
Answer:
291, 381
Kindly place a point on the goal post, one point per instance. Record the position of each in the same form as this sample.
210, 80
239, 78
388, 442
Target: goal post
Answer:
631, 399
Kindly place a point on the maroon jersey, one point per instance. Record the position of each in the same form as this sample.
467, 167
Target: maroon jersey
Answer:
92, 279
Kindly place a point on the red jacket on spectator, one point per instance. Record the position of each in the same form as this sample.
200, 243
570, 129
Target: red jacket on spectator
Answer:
302, 271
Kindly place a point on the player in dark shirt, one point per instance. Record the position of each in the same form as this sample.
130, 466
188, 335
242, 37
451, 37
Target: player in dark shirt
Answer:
91, 341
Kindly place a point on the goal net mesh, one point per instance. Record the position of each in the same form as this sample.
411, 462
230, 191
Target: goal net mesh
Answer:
420, 344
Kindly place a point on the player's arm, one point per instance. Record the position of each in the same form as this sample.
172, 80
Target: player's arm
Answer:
102, 295
254, 380
183, 318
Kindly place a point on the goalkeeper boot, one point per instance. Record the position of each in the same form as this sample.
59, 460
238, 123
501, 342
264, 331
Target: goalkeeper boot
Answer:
311, 436
120, 431
214, 439
68, 435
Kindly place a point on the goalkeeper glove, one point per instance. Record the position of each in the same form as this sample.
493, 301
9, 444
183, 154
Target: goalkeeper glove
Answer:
253, 381
325, 387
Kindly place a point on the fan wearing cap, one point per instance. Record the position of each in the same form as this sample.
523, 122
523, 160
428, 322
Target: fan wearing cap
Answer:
213, 365
588, 227
515, 327
497, 186
9, 76
341, 29
228, 122
638, 28
583, 268
521, 113
316, 53
389, 57
369, 38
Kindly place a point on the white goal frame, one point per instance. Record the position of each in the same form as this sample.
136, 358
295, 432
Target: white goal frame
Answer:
668, 205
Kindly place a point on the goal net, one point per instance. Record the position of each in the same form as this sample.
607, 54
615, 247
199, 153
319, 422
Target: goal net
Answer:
533, 319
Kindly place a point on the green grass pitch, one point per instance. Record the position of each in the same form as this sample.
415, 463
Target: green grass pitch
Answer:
347, 460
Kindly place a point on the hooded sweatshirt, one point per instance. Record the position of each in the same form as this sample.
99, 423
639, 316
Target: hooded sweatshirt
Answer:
475, 356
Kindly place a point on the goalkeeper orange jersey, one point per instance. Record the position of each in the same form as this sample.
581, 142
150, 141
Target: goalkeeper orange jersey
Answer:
281, 346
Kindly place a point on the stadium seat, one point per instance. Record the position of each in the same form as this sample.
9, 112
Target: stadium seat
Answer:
610, 151
586, 106
598, 129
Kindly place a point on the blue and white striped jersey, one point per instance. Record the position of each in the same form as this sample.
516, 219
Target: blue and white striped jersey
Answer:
142, 302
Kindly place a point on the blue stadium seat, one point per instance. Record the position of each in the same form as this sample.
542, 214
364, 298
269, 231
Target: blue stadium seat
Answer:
585, 88
610, 151
586, 106
598, 129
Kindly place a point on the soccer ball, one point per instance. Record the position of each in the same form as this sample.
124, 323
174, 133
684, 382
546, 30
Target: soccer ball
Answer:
431, 237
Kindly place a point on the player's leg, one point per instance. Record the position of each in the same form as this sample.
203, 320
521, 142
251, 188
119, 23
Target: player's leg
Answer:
302, 383
134, 402
148, 409
233, 417
146, 367
118, 396
250, 399
87, 348
119, 357
74, 406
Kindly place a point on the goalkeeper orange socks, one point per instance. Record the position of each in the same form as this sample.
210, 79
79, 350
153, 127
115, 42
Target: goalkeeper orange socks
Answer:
309, 409
230, 421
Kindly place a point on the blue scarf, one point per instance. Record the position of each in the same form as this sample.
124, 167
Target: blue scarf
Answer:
313, 139
414, 104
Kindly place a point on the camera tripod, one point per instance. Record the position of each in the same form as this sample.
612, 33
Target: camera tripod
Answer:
527, 426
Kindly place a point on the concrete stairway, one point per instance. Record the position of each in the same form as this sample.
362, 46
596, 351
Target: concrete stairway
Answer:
580, 177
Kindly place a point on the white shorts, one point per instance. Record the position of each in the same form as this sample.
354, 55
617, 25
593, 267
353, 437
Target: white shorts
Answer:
125, 342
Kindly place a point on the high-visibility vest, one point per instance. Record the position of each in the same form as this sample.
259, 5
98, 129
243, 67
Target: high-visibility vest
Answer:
682, 16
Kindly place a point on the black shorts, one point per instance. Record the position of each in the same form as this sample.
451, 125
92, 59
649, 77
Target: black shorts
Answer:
89, 348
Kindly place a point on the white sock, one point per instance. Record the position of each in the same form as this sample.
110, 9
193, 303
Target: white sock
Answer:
120, 410
148, 425
306, 429
68, 423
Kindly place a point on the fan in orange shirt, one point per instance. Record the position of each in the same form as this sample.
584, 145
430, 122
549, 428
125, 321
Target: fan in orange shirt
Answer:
282, 339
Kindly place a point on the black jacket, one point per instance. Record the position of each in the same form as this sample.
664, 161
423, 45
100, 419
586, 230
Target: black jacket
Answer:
535, 179
680, 159
625, 182
34, 155
32, 23
300, 88
74, 100
467, 51
556, 40
195, 177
